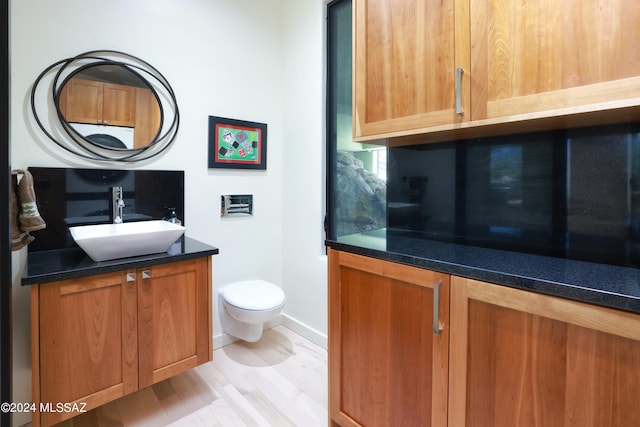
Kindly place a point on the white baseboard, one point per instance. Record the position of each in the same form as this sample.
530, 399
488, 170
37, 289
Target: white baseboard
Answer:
296, 326
304, 330
221, 340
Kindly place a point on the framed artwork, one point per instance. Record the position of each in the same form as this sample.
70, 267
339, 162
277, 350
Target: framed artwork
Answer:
237, 144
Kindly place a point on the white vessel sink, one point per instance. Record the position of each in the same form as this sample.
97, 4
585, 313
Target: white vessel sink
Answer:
110, 241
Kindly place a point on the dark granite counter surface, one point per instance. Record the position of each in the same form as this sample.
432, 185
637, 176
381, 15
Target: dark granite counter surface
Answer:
602, 284
49, 266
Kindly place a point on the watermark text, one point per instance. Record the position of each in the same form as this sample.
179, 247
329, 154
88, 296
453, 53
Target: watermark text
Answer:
65, 407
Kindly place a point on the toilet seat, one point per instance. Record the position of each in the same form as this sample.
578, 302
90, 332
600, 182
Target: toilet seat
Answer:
253, 295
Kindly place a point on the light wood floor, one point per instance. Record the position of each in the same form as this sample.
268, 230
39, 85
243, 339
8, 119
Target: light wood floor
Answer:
279, 381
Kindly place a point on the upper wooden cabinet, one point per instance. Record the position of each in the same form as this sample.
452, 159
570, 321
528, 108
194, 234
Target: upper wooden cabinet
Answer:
547, 55
405, 60
525, 66
86, 101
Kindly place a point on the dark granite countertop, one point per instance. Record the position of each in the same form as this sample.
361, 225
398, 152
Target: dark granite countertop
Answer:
49, 266
602, 284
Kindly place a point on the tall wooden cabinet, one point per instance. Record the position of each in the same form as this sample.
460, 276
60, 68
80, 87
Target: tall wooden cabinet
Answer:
98, 338
520, 358
524, 66
387, 366
147, 118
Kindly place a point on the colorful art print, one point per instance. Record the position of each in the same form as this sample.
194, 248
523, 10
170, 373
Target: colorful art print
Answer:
237, 144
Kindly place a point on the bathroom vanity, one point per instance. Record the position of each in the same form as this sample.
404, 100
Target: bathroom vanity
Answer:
103, 330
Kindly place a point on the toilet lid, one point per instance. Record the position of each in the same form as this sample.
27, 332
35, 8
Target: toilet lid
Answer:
253, 295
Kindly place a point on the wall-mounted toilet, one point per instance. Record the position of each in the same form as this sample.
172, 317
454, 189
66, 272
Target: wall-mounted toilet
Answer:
245, 306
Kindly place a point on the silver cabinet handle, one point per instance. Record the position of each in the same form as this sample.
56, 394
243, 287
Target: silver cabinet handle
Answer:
436, 308
459, 72
146, 274
131, 277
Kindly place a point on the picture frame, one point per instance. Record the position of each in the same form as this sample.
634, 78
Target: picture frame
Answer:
237, 144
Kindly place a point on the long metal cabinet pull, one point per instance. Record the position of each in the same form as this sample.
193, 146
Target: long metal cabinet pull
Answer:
459, 72
436, 308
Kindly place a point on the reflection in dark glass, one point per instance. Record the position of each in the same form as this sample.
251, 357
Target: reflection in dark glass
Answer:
356, 172
570, 193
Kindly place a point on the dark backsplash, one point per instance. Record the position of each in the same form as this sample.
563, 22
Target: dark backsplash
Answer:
69, 197
571, 193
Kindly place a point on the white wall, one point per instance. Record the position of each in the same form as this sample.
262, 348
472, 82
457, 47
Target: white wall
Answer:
246, 59
303, 256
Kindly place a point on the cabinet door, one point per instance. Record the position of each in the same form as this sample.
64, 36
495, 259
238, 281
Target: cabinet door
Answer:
405, 64
147, 117
86, 342
556, 56
119, 107
174, 318
520, 358
81, 101
387, 367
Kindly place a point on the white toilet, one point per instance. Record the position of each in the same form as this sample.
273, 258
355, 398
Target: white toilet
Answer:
245, 306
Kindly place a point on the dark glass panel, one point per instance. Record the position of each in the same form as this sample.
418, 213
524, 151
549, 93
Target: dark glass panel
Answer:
570, 193
70, 197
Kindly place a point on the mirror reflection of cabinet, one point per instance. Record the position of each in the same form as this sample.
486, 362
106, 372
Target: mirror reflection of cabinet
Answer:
93, 102
86, 101
147, 117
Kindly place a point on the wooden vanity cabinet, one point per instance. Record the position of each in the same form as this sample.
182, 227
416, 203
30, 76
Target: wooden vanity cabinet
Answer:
387, 367
84, 343
98, 338
174, 332
520, 358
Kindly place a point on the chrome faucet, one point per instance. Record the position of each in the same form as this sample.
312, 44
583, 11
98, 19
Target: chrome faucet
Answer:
117, 199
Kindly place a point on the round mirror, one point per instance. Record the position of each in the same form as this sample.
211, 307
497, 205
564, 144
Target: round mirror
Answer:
112, 106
